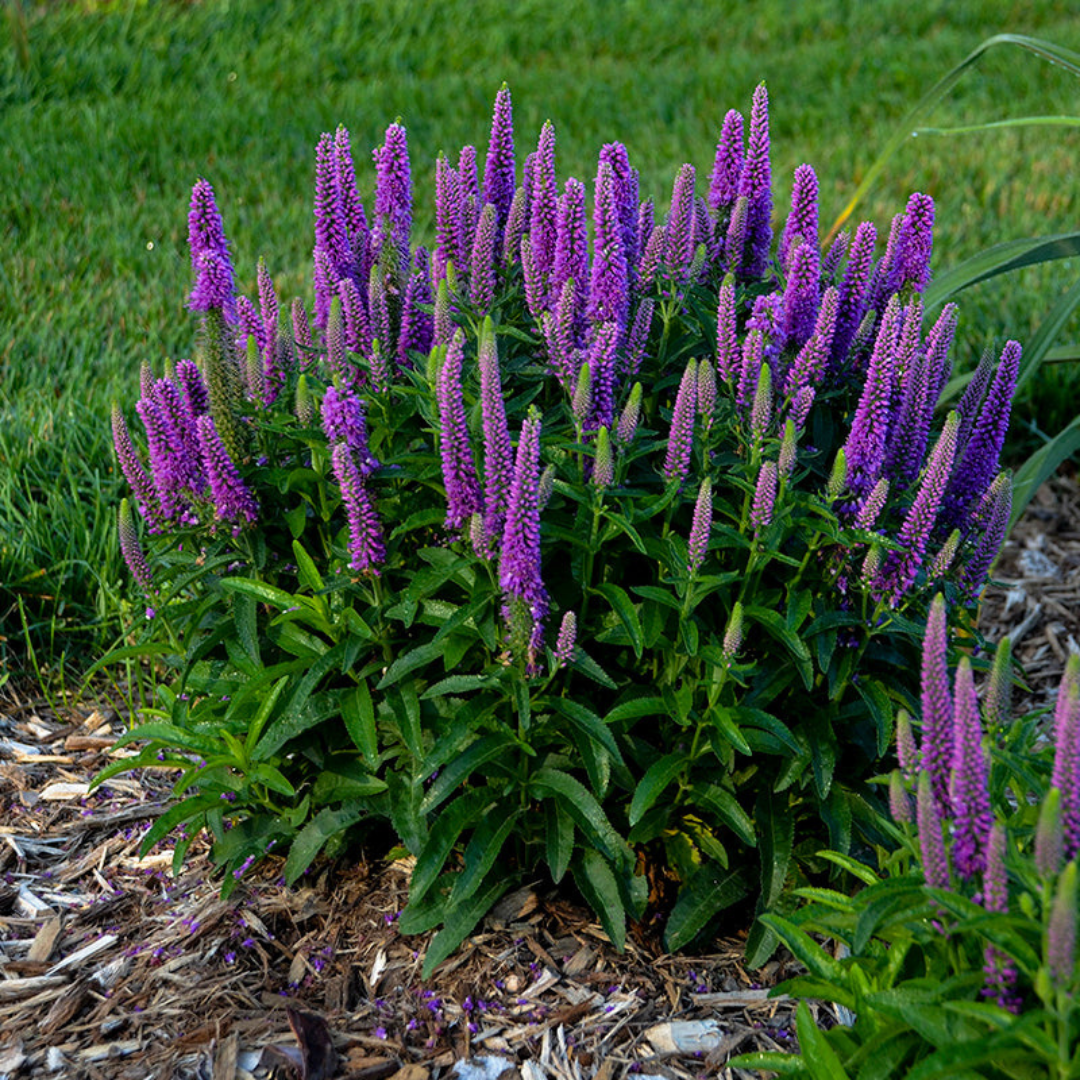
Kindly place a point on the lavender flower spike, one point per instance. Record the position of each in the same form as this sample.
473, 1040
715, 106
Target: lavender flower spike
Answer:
1066, 774
366, 544
146, 496
232, 499
393, 187
997, 966
679, 237
132, 550
761, 512
463, 494
935, 862
854, 290
802, 296
970, 794
700, 528
498, 456
681, 436
544, 207
571, 246
482, 273
755, 184
727, 167
997, 505
907, 753
937, 707
565, 642
916, 243
1061, 934
609, 285
728, 356
802, 222
499, 167
215, 284
733, 633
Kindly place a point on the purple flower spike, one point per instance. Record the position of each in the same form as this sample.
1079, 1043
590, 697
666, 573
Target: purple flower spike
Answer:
755, 183
463, 494
560, 336
753, 356
498, 457
733, 633
802, 222
728, 354
571, 245
902, 567
132, 550
974, 393
417, 324
544, 207
269, 310
727, 166
602, 376
735, 238
916, 243
393, 186
761, 412
969, 791
447, 215
1061, 934
679, 239
907, 753
700, 528
652, 252
565, 643
638, 337
519, 563
935, 863
1066, 774
802, 296
357, 329
979, 463
865, 446
331, 228
830, 264
808, 368
626, 198
1048, 837
761, 512
681, 436
482, 272
994, 521
899, 800
937, 707
854, 290
609, 286
366, 545
352, 208
938, 343
232, 499
146, 496
499, 168
872, 505
535, 285
214, 278
998, 968
343, 420
468, 199
516, 222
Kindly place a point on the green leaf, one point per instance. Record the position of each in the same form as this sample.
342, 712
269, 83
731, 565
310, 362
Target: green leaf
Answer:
622, 605
775, 827
459, 684
881, 709
819, 1056
814, 957
559, 839
596, 882
764, 721
266, 707
587, 722
313, 837
726, 807
583, 808
344, 783
177, 814
172, 736
796, 647
462, 919
358, 713
413, 659
483, 849
637, 707
584, 663
245, 618
448, 826
306, 569
475, 755
661, 596
655, 782
710, 890
1041, 465
261, 591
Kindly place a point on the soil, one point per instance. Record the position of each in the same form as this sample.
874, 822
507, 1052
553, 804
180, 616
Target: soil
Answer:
111, 967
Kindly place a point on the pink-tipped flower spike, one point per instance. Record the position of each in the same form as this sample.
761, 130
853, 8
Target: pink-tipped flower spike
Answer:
233, 500
935, 863
500, 178
571, 247
482, 275
753, 357
215, 282
727, 166
631, 414
998, 968
706, 390
393, 186
498, 455
899, 800
830, 263
544, 203
802, 222
463, 495
146, 496
755, 183
979, 463
733, 634
603, 474
801, 406
700, 528
679, 241
609, 284
565, 643
802, 296
907, 753
1048, 839
902, 567
681, 435
853, 299
997, 696
1061, 934
937, 707
872, 505
916, 243
728, 354
1066, 774
943, 560
367, 548
761, 412
516, 223
269, 310
972, 817
132, 550
761, 512
447, 215
994, 521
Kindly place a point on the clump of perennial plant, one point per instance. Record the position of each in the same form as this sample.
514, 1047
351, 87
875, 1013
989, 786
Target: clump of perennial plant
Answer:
593, 537
962, 957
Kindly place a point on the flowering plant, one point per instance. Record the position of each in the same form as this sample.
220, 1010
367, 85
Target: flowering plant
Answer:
713, 469
961, 959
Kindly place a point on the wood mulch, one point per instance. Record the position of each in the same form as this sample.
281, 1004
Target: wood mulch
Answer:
110, 967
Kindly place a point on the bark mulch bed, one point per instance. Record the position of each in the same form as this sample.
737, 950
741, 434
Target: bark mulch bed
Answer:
110, 967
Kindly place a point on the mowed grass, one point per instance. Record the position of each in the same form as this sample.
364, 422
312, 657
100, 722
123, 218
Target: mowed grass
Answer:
113, 110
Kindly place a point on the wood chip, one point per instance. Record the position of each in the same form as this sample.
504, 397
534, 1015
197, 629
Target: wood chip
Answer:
44, 940
102, 943
58, 792
11, 989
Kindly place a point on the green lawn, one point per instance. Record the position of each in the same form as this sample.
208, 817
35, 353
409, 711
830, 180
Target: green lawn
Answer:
123, 105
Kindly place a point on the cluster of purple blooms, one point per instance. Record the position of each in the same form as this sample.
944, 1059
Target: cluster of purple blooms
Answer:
841, 319
949, 773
